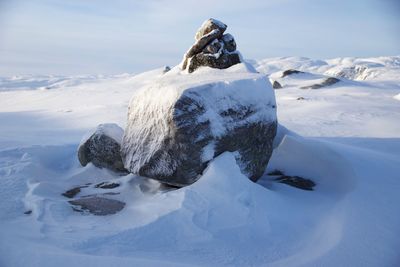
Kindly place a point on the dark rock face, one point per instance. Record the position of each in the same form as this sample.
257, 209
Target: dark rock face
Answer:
212, 48
71, 193
107, 185
327, 82
276, 85
222, 62
254, 144
297, 181
102, 148
229, 42
166, 69
97, 205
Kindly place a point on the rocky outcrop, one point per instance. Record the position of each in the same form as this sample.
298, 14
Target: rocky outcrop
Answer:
290, 72
276, 85
102, 147
212, 48
326, 82
181, 122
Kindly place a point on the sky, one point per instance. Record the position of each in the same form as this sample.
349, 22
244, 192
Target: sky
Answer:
76, 37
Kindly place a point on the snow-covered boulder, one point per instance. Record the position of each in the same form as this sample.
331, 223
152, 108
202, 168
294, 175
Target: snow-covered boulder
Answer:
182, 121
212, 48
102, 147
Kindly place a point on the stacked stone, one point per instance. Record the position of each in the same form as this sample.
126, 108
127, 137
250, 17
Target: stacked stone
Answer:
212, 48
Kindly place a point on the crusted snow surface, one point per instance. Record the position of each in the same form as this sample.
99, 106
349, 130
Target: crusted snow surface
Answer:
216, 90
350, 149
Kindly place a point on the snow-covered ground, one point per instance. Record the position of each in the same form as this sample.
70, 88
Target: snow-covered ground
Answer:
344, 137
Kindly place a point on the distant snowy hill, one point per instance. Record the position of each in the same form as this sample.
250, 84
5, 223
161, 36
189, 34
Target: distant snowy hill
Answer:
345, 137
379, 68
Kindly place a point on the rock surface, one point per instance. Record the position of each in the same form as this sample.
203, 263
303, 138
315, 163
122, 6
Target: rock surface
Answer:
97, 205
327, 82
102, 147
212, 48
276, 85
290, 72
295, 181
179, 123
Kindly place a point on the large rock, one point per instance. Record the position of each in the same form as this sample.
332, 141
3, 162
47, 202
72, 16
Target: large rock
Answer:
212, 48
182, 121
102, 147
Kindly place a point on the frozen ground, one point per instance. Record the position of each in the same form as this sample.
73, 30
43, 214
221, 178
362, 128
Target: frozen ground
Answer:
345, 137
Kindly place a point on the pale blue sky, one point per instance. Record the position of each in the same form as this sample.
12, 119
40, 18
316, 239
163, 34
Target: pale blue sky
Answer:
71, 37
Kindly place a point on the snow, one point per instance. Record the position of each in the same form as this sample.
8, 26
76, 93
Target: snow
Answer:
346, 138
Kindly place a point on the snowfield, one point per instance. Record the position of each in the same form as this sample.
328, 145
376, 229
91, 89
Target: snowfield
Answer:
345, 137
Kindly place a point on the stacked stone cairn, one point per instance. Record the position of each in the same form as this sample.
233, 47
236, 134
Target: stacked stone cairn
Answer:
212, 48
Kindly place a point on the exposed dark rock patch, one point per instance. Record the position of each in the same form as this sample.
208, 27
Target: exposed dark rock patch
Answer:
295, 181
300, 98
97, 205
275, 173
28, 212
357, 72
166, 69
290, 72
107, 185
276, 85
71, 193
327, 82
